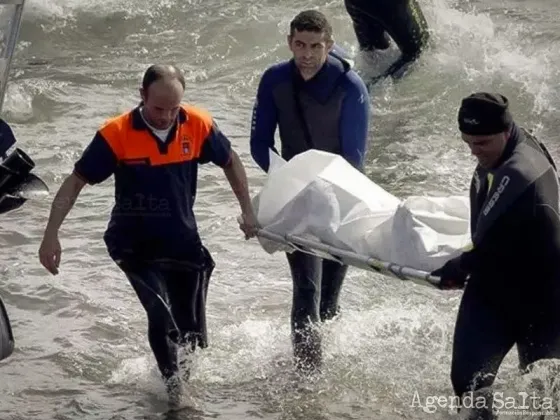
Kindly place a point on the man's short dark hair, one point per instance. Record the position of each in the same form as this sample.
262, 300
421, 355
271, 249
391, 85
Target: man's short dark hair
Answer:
161, 71
311, 21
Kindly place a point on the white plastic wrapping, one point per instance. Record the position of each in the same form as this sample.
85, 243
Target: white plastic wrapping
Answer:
319, 195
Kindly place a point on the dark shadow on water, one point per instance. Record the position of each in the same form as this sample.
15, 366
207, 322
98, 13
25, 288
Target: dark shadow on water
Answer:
186, 413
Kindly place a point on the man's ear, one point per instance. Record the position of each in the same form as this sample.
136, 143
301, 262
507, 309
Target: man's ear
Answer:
330, 45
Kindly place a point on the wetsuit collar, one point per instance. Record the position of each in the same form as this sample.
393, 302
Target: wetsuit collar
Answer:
323, 84
138, 122
298, 78
514, 139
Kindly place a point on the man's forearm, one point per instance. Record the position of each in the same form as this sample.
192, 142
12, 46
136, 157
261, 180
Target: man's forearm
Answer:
63, 202
235, 173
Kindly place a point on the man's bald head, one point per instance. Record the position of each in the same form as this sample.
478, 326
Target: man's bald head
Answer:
163, 72
162, 90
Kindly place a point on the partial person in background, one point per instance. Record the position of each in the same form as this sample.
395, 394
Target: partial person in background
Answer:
317, 102
7, 140
374, 21
512, 296
154, 152
17, 182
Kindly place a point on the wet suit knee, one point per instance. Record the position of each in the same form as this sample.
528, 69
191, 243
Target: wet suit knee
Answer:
306, 271
333, 275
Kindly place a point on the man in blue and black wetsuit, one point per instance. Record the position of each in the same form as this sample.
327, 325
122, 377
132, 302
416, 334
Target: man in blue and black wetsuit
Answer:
317, 102
512, 295
375, 20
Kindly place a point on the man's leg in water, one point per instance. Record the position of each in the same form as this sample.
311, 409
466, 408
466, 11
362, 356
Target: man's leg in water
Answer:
331, 285
187, 291
540, 340
540, 336
306, 278
483, 337
408, 27
406, 24
149, 286
370, 34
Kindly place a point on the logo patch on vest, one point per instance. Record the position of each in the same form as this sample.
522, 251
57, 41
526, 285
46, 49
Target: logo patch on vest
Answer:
501, 187
186, 145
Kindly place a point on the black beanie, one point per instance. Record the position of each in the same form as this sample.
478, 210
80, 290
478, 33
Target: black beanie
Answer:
484, 114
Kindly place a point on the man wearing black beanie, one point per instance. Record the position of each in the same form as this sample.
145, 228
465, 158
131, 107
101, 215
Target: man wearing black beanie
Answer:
512, 295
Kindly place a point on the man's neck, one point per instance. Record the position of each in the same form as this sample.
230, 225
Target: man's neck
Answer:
148, 123
512, 141
308, 75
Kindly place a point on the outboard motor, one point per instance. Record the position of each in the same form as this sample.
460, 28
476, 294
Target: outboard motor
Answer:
17, 183
15, 174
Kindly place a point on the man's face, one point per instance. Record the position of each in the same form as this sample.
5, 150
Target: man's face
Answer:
487, 149
310, 51
161, 103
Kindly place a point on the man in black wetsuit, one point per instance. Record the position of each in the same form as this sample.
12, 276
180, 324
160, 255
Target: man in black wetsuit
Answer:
512, 295
375, 20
